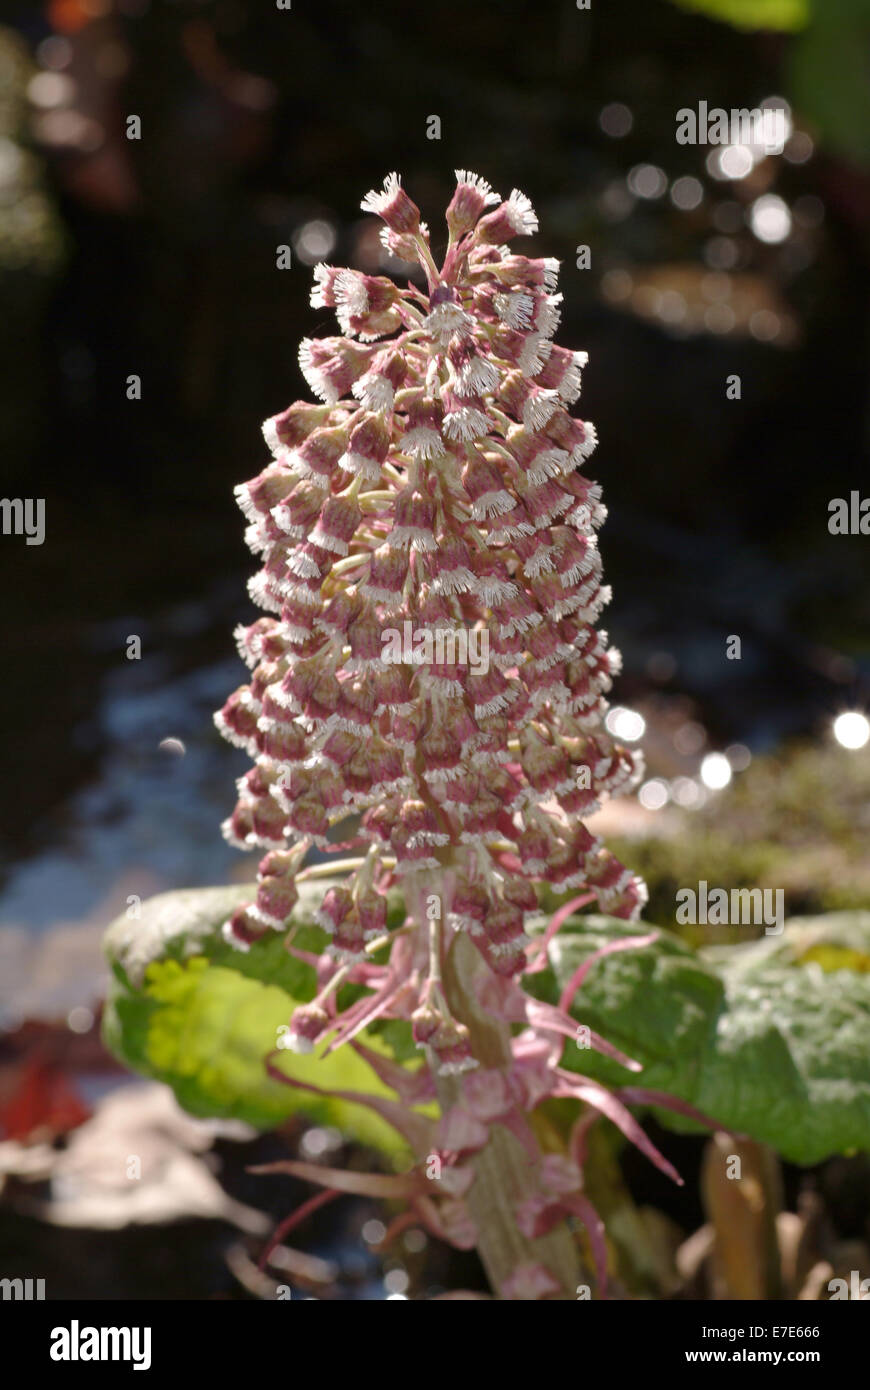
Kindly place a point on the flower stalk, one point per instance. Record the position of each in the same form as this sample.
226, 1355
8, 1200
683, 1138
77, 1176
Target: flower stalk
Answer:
504, 1178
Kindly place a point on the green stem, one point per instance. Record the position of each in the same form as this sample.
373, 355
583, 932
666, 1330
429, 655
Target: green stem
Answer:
504, 1175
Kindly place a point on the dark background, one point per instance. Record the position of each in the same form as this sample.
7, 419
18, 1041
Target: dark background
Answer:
157, 257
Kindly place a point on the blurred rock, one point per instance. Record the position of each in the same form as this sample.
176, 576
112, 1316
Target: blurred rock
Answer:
139, 1160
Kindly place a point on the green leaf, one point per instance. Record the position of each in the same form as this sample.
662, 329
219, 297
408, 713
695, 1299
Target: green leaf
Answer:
830, 76
753, 14
188, 1009
397, 1035
185, 923
762, 1038
769, 1038
655, 1003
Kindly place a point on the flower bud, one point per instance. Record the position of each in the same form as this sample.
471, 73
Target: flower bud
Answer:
394, 206
307, 1024
331, 366
472, 195
337, 524
514, 217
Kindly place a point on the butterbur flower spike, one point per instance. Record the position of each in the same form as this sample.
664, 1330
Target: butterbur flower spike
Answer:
432, 506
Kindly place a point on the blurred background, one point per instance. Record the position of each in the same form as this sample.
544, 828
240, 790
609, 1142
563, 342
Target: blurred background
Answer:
156, 257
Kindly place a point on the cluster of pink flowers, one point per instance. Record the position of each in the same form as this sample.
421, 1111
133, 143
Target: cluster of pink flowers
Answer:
438, 482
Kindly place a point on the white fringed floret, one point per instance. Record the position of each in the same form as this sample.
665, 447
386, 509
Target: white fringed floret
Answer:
493, 504
465, 423
521, 214
375, 201
514, 308
479, 185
